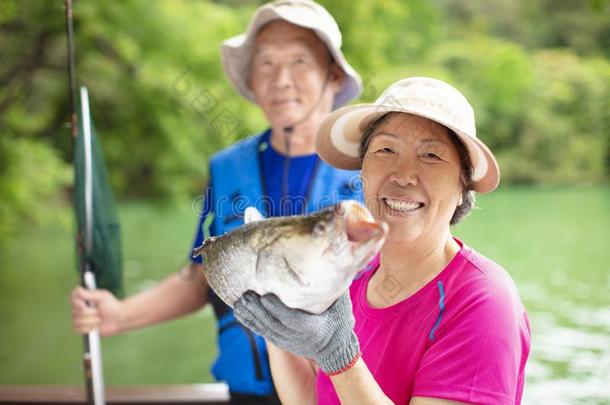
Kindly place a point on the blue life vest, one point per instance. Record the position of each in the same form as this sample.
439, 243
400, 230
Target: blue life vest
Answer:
237, 179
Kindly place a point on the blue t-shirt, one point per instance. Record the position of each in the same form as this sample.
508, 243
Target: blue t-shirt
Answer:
286, 197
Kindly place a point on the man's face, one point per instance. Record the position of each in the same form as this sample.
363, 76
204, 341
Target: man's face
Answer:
288, 71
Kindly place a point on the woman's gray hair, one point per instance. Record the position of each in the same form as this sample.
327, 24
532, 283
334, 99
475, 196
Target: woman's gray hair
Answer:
468, 196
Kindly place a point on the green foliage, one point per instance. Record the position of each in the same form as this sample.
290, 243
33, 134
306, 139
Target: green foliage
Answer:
31, 174
496, 76
565, 132
157, 133
546, 115
581, 25
377, 34
159, 90
537, 73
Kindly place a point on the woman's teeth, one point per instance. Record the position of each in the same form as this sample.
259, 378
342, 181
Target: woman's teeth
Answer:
404, 206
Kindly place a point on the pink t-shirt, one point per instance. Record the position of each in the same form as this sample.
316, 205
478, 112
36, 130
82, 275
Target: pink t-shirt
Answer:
464, 336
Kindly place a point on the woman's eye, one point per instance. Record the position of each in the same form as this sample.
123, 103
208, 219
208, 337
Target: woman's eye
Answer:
431, 155
383, 150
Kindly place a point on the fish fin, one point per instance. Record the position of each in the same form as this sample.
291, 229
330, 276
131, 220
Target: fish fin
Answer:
251, 214
198, 251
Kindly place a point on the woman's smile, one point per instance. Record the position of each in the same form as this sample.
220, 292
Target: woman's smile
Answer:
402, 206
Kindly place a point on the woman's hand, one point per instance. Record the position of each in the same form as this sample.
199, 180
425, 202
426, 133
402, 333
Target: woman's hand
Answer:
327, 338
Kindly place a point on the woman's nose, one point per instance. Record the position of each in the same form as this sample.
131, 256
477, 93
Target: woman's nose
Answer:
404, 172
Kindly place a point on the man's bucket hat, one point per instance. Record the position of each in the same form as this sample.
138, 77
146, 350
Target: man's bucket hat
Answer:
237, 51
338, 139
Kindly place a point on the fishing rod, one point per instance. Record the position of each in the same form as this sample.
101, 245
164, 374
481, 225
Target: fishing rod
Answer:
92, 358
71, 69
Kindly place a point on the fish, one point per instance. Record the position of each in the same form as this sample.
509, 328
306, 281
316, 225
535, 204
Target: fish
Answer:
307, 261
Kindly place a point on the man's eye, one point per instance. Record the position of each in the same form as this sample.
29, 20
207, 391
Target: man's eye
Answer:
263, 62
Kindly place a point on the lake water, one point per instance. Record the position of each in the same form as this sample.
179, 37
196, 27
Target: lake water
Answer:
554, 243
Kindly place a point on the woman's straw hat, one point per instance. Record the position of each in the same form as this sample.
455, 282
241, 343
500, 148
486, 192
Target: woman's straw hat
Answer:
340, 134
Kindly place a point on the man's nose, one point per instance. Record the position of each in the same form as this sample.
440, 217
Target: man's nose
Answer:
283, 77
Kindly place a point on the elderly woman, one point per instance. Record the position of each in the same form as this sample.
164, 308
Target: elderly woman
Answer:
432, 321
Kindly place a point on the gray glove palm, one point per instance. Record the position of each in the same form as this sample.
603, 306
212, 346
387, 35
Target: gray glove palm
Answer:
327, 338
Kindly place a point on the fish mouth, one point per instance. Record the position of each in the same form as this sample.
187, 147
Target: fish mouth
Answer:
358, 222
363, 236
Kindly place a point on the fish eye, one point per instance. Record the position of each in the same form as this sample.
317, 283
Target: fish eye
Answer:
319, 229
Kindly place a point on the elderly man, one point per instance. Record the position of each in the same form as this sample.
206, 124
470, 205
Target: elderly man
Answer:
289, 63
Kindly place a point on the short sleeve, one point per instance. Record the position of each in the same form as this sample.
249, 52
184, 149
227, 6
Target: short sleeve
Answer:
205, 224
478, 352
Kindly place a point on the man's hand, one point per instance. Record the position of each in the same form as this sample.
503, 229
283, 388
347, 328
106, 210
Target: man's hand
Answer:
93, 309
327, 338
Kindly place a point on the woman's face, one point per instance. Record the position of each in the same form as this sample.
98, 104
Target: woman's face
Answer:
411, 173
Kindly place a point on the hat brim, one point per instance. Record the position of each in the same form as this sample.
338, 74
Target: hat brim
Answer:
236, 55
340, 134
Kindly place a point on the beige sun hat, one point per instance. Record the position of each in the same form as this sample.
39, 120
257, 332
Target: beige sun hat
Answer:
339, 136
237, 51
